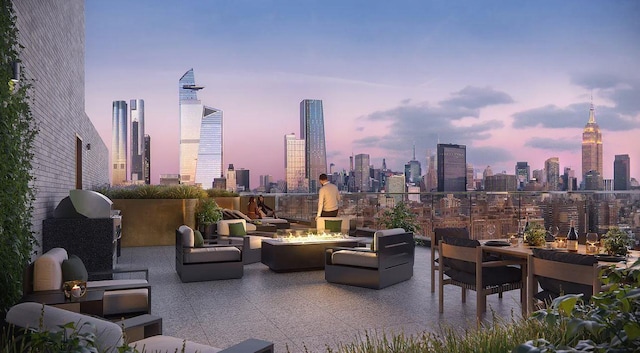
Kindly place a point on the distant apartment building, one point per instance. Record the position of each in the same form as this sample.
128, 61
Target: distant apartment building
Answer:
147, 160
431, 178
591, 147
622, 172
593, 180
231, 182
452, 167
136, 114
396, 187
470, 178
523, 174
119, 143
68, 152
294, 164
361, 171
169, 179
312, 132
242, 179
552, 169
413, 169
501, 182
201, 135
569, 180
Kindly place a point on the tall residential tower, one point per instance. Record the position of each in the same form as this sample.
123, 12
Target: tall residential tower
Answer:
452, 167
312, 132
136, 114
119, 143
294, 164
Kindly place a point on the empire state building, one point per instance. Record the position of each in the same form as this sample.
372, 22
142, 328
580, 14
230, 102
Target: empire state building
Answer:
591, 146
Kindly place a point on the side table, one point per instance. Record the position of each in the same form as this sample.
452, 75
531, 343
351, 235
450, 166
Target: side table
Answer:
141, 326
90, 303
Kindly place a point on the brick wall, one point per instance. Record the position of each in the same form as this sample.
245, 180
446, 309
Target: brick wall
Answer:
53, 35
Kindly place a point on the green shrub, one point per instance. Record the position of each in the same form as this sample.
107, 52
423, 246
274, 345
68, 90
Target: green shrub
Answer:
208, 212
153, 192
221, 193
400, 217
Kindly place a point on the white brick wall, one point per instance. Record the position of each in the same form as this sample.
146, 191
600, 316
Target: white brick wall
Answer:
53, 35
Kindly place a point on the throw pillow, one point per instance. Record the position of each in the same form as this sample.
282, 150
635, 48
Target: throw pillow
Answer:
237, 229
198, 240
333, 225
74, 270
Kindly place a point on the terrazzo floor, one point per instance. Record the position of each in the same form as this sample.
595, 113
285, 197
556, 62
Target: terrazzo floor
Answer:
300, 311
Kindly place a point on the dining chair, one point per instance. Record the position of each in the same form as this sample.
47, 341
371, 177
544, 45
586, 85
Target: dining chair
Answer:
464, 264
438, 233
560, 273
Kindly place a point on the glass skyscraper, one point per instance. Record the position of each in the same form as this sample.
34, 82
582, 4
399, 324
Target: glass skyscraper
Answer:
201, 140
312, 132
136, 112
621, 172
294, 164
452, 167
361, 172
119, 143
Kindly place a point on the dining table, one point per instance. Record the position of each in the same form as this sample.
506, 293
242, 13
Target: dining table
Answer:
523, 252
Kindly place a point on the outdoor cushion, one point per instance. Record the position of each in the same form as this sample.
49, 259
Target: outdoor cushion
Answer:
162, 343
187, 236
333, 225
552, 288
198, 240
355, 258
47, 270
73, 269
212, 254
491, 276
381, 233
237, 229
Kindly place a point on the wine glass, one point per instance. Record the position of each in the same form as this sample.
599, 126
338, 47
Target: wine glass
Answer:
553, 232
592, 239
491, 230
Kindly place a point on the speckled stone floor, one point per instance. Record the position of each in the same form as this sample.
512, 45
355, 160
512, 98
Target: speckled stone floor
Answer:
298, 311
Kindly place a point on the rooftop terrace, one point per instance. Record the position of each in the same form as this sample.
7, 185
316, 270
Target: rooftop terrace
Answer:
299, 310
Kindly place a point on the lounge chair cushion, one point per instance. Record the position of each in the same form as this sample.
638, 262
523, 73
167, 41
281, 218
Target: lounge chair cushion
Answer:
170, 344
237, 229
47, 270
212, 254
355, 258
74, 270
552, 288
188, 238
381, 233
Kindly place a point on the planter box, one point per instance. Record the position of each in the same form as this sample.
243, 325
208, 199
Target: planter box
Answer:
230, 202
153, 222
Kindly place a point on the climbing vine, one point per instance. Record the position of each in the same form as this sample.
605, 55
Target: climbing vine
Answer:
18, 131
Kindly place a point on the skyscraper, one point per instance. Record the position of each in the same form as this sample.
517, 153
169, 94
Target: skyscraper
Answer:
312, 132
591, 146
147, 160
200, 135
552, 168
413, 169
231, 179
119, 143
136, 113
243, 178
621, 172
361, 172
452, 167
294, 164
396, 186
523, 172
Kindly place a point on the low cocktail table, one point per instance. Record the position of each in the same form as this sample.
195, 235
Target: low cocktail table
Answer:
289, 256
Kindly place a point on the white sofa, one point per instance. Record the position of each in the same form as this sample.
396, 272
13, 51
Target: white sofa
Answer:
47, 275
109, 334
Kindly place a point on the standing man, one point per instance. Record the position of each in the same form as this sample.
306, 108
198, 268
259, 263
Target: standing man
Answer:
328, 198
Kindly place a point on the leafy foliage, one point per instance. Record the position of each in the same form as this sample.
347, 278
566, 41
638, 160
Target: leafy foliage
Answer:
18, 131
208, 212
616, 242
535, 235
400, 217
153, 192
221, 193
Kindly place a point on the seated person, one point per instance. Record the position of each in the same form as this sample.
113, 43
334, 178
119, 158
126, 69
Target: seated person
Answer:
252, 209
265, 210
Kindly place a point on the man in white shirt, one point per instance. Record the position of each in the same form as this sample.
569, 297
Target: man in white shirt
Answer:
328, 198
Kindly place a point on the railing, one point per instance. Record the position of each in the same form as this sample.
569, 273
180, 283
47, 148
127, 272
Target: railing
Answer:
592, 211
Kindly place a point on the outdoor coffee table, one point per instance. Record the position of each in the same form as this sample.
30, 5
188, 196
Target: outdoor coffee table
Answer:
302, 255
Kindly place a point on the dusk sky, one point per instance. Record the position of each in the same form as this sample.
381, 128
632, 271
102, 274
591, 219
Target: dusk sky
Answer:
511, 80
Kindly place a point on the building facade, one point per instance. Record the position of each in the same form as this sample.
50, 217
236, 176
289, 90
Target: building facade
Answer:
452, 167
396, 187
68, 151
242, 179
294, 164
201, 136
591, 146
146, 163
361, 172
622, 172
523, 174
136, 114
312, 132
119, 143
552, 169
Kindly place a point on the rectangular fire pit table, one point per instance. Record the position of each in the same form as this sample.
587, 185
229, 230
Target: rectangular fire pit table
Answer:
304, 255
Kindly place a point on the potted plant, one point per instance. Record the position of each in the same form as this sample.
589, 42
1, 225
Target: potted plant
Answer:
400, 217
207, 215
616, 242
535, 235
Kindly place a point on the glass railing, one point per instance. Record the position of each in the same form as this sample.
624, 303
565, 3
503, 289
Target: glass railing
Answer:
482, 212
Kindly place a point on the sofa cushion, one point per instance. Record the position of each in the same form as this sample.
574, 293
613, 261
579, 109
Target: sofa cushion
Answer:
115, 302
355, 258
333, 225
237, 229
552, 288
74, 270
108, 334
198, 240
162, 343
47, 270
491, 276
188, 239
212, 254
380, 233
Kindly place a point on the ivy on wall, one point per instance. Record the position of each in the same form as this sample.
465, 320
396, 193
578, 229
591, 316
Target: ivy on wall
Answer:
18, 131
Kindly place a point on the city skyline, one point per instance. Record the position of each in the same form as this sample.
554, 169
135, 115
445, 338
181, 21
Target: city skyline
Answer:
511, 81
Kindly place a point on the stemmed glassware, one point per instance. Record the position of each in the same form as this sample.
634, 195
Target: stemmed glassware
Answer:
592, 240
491, 230
553, 232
